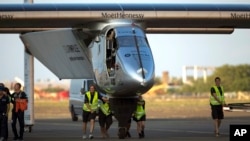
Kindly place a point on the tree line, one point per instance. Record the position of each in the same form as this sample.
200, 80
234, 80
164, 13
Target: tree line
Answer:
234, 78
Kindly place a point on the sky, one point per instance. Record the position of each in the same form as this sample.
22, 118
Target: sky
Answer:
170, 51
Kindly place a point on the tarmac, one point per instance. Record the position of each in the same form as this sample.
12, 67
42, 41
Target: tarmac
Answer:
190, 129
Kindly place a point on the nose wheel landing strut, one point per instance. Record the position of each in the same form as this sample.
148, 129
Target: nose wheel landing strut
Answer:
123, 109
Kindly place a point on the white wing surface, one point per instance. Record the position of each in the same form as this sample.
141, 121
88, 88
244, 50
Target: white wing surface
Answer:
61, 52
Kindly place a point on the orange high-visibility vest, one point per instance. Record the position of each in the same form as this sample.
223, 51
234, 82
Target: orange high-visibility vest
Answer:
21, 104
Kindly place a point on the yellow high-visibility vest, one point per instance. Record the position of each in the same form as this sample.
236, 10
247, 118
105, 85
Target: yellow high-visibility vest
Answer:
105, 108
94, 104
140, 112
213, 101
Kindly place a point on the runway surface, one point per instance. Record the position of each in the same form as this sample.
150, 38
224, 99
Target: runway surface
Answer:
156, 129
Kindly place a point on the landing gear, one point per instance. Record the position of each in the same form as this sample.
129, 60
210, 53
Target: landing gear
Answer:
123, 109
122, 132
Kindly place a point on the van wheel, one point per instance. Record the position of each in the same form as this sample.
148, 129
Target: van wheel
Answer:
30, 128
73, 115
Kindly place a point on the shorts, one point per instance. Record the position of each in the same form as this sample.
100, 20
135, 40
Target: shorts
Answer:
87, 116
217, 112
105, 119
143, 118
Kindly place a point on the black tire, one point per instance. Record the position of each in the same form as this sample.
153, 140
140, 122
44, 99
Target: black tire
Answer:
30, 129
122, 133
73, 115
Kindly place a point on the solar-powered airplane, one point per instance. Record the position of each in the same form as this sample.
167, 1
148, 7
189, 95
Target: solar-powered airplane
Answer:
108, 43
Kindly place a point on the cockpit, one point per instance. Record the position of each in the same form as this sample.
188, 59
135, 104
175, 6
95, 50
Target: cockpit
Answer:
111, 47
131, 41
120, 38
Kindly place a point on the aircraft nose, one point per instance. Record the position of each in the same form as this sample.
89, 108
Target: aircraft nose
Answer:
144, 83
142, 72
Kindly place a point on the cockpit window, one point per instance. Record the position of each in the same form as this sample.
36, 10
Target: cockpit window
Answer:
129, 41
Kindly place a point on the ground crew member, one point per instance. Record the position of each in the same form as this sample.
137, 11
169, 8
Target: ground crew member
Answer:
6, 93
217, 101
140, 116
6, 90
105, 118
90, 107
18, 112
4, 110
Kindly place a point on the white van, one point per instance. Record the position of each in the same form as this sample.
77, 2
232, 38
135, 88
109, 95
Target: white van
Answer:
78, 87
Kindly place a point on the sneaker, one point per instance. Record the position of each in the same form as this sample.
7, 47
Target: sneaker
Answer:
84, 136
217, 134
91, 136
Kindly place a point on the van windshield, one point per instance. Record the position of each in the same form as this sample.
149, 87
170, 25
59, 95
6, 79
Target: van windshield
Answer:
129, 41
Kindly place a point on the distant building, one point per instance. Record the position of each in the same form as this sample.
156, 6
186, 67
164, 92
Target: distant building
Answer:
196, 70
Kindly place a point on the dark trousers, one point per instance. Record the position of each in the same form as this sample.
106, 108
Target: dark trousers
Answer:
20, 116
3, 126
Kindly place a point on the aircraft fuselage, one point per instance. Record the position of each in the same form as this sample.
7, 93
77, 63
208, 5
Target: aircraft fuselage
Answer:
122, 62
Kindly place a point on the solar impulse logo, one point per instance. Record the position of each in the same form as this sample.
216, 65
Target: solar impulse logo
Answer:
118, 15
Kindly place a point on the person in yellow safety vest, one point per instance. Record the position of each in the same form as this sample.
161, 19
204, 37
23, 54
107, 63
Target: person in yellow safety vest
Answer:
140, 116
217, 101
105, 118
90, 107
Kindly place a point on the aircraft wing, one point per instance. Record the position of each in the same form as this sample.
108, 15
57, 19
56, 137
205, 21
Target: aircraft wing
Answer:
237, 107
154, 18
63, 49
61, 52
